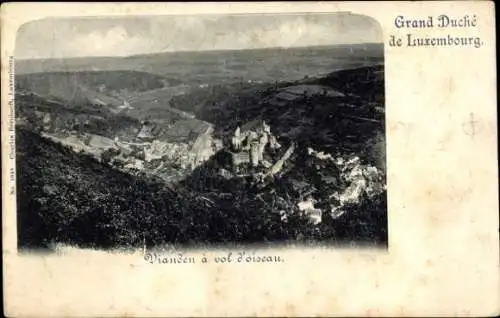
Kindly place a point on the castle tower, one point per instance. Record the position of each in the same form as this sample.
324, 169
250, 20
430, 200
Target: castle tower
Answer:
254, 153
265, 127
236, 139
263, 140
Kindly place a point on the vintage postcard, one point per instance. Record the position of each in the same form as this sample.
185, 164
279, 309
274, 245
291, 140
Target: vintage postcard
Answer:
249, 159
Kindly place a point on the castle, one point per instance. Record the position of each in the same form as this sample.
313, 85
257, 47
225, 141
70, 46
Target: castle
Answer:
249, 142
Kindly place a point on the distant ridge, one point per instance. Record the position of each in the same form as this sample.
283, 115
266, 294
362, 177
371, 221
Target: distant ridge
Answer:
177, 63
200, 52
282, 48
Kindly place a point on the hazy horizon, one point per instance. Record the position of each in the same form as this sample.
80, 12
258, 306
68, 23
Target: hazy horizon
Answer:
198, 51
127, 37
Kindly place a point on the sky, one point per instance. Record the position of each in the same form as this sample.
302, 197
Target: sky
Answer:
84, 37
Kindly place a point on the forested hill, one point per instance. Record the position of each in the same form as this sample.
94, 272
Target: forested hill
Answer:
68, 197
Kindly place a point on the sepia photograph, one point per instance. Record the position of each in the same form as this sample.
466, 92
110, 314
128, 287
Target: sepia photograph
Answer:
200, 131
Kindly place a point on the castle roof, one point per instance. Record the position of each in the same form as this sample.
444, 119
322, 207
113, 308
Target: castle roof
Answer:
252, 125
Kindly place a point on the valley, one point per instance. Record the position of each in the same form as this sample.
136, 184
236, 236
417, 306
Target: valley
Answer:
168, 132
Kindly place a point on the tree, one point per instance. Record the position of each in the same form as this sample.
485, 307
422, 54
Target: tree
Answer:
107, 155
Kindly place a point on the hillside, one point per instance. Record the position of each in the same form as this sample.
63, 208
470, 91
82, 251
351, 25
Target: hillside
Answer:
337, 126
68, 197
38, 113
168, 86
341, 111
94, 87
